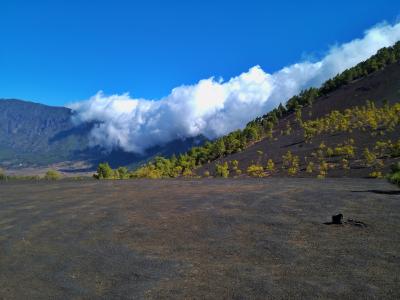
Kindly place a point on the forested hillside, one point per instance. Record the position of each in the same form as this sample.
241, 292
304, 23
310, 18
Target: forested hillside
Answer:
326, 131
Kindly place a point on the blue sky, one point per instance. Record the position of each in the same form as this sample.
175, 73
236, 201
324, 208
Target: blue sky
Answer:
55, 52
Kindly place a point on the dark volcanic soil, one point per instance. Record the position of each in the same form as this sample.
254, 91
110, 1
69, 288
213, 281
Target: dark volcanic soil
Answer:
200, 239
383, 85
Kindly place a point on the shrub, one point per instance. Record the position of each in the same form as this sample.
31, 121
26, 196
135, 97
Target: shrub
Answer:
146, 171
369, 156
206, 174
310, 167
345, 150
222, 170
104, 171
329, 152
121, 173
176, 171
382, 147
375, 174
235, 165
345, 164
297, 114
395, 167
2, 174
394, 176
270, 165
255, 171
323, 169
52, 175
291, 163
288, 129
365, 118
187, 173
395, 149
287, 159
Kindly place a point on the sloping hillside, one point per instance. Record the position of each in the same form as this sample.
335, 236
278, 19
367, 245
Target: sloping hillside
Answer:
380, 87
326, 131
36, 134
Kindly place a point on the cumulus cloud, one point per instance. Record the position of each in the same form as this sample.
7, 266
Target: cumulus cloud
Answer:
215, 107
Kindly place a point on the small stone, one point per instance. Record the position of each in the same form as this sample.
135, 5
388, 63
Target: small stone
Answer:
337, 219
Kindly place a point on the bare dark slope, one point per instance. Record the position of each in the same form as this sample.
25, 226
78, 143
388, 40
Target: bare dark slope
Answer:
383, 85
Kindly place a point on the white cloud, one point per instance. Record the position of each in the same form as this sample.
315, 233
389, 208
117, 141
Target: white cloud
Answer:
214, 108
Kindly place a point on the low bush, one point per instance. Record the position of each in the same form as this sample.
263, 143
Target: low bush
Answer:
52, 175
255, 171
394, 176
375, 174
222, 170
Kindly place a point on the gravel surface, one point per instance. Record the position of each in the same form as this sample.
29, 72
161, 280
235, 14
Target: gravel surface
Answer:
199, 239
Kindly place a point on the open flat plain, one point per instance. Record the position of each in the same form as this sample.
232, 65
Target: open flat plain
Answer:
199, 239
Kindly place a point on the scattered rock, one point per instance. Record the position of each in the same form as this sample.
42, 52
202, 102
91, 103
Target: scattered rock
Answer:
337, 219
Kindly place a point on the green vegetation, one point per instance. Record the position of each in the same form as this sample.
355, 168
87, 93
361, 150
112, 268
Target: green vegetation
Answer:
323, 169
375, 174
387, 148
370, 157
310, 167
270, 165
222, 170
104, 171
369, 117
394, 176
52, 175
291, 163
347, 150
345, 164
235, 165
256, 171
121, 173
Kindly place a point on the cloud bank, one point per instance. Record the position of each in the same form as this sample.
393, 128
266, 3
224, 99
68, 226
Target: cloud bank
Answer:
213, 108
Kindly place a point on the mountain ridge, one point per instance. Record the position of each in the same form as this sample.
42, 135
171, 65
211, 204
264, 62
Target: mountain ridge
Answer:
35, 135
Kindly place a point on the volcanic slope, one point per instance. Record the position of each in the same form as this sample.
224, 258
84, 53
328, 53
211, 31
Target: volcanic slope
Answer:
381, 88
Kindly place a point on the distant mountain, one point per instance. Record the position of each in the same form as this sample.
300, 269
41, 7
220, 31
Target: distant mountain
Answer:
35, 135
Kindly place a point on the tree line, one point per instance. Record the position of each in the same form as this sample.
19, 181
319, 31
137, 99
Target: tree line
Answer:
261, 127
